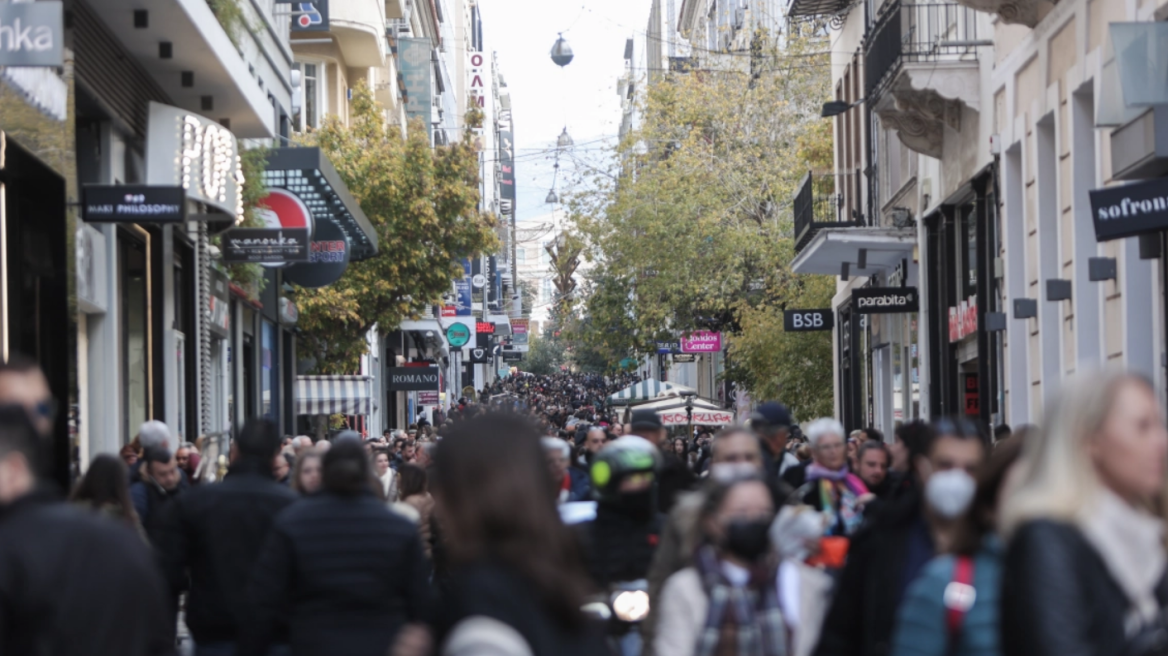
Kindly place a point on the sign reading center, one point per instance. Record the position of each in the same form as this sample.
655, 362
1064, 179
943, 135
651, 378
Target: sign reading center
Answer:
413, 378
885, 300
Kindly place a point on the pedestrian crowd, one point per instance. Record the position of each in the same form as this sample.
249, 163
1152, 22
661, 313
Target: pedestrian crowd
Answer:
540, 519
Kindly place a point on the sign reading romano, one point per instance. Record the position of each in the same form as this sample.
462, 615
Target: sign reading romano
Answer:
133, 204
885, 300
413, 378
1129, 210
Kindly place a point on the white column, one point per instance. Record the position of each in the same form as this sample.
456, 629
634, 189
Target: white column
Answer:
1017, 330
1049, 267
1088, 296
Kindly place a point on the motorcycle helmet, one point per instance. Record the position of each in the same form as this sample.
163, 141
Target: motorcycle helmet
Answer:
628, 459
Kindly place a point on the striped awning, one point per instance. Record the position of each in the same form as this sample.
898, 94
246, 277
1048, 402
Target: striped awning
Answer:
330, 395
645, 390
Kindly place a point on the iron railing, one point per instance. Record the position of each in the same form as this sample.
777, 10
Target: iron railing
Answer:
917, 33
818, 205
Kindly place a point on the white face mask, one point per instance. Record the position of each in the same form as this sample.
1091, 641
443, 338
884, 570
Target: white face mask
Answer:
950, 492
728, 472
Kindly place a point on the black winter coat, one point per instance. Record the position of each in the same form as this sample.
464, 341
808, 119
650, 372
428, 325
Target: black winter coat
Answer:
1058, 598
74, 583
215, 532
618, 547
346, 573
863, 611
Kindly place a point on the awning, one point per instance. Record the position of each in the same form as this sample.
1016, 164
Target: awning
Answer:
308, 173
667, 404
645, 390
330, 395
883, 248
705, 413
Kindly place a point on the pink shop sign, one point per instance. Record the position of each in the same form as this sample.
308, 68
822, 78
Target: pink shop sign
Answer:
701, 342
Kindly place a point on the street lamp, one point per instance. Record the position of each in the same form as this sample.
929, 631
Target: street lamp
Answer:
837, 107
561, 52
689, 406
565, 139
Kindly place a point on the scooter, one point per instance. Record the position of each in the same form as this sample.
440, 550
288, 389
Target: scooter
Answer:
622, 610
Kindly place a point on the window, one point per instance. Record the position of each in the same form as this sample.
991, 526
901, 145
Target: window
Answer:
311, 95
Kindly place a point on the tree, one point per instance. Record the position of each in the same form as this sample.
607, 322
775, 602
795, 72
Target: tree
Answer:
544, 356
423, 203
692, 229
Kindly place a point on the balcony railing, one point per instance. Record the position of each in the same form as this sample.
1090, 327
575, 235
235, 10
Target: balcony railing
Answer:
818, 205
910, 33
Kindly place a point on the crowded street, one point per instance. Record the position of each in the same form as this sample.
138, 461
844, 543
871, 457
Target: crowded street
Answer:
598, 328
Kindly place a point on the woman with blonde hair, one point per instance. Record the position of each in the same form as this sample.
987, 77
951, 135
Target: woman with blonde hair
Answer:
1085, 561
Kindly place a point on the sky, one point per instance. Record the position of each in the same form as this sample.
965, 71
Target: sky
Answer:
546, 98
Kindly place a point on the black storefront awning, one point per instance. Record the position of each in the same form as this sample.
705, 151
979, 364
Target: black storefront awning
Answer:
309, 174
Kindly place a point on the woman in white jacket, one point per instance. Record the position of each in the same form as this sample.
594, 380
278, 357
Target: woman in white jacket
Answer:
728, 601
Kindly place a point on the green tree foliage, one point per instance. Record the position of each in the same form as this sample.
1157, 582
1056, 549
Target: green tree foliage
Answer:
423, 203
545, 355
694, 228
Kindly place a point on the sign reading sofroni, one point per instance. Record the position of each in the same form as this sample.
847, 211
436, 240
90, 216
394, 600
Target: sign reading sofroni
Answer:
1129, 210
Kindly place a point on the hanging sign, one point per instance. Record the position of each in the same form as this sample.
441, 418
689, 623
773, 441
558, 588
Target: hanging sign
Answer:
428, 397
328, 258
484, 328
413, 58
310, 16
1129, 210
802, 321
701, 342
413, 378
32, 34
479, 355
684, 357
972, 401
457, 335
512, 356
131, 203
665, 348
265, 245
194, 152
219, 305
884, 300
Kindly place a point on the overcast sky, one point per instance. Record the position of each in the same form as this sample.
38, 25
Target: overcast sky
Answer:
544, 97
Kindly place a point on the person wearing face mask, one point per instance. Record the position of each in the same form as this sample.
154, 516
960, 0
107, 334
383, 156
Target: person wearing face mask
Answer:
888, 552
953, 607
1084, 525
728, 602
831, 488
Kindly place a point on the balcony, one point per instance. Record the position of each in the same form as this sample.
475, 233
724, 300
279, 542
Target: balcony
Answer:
921, 72
834, 10
817, 206
359, 26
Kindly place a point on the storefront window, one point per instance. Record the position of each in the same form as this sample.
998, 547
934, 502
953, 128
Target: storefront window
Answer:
135, 346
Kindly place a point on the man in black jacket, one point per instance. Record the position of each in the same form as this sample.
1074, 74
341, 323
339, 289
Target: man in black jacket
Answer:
889, 550
71, 582
213, 535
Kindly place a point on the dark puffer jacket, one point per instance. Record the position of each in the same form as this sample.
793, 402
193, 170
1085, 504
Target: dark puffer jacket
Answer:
347, 573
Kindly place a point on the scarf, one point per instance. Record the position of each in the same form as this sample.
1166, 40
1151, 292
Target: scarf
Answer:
751, 614
1131, 544
839, 493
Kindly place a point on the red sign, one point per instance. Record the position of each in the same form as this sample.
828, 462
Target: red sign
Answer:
963, 319
449, 311
972, 401
484, 327
284, 209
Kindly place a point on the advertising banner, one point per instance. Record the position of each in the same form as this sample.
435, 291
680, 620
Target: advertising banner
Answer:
414, 64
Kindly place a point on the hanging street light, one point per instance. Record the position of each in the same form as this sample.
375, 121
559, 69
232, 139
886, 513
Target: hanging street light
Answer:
561, 52
564, 140
552, 198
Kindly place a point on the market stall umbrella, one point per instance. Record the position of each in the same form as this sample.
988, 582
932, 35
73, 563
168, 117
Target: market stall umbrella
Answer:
644, 391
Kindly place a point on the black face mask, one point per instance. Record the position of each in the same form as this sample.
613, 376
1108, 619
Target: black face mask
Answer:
748, 539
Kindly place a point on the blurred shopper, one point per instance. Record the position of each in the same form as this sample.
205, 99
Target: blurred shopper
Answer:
832, 488
417, 502
306, 473
673, 476
129, 456
728, 603
570, 484
517, 583
888, 553
104, 490
386, 476
281, 467
872, 462
71, 583
159, 484
1085, 561
342, 570
213, 535
771, 422
954, 607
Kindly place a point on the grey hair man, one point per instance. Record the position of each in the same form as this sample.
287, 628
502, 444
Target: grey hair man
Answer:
300, 444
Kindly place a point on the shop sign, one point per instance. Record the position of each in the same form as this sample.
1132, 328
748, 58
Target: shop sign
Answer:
700, 418
484, 328
133, 204
196, 153
701, 342
328, 258
219, 314
665, 348
31, 34
265, 245
520, 339
284, 209
519, 326
963, 319
1129, 210
463, 305
684, 357
972, 401
512, 356
414, 63
479, 355
799, 321
413, 378
428, 397
885, 300
458, 335
310, 16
